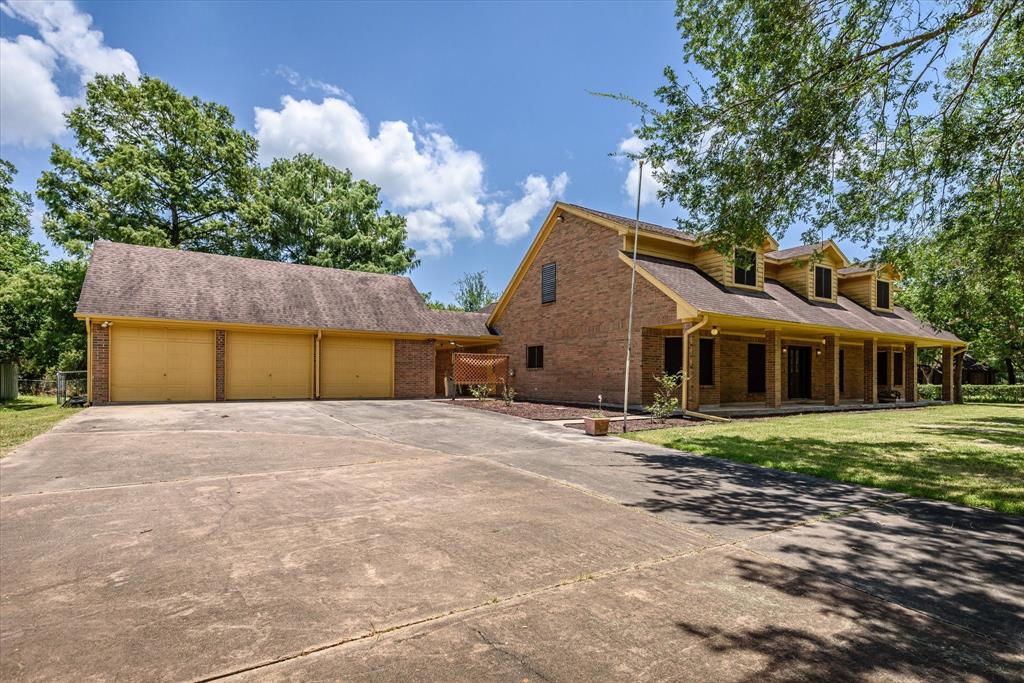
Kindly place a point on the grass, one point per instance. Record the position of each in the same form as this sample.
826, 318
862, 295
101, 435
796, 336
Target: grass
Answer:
26, 417
969, 454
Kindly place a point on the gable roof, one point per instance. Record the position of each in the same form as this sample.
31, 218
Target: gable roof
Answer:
806, 251
133, 281
780, 304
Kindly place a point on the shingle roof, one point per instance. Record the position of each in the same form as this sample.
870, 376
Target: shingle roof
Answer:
780, 304
856, 270
796, 252
149, 282
630, 223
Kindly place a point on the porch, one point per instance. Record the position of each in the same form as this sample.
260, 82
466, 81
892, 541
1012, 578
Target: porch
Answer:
735, 371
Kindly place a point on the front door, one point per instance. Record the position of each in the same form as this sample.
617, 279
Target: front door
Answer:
799, 374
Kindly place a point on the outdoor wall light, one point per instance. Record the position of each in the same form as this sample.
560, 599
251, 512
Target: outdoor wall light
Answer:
818, 352
714, 330
560, 217
824, 341
784, 349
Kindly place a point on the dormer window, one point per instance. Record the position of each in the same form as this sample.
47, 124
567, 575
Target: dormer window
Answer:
882, 294
745, 268
822, 282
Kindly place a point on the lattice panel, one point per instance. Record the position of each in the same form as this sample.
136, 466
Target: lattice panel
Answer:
480, 368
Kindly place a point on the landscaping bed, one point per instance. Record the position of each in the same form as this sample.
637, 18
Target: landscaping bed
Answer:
533, 411
615, 425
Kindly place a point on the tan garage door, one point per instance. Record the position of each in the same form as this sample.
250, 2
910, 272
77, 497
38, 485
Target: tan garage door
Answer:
353, 367
161, 364
258, 365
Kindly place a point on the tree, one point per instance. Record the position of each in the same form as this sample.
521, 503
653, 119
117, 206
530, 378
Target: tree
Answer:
472, 292
840, 117
18, 254
428, 299
307, 211
150, 166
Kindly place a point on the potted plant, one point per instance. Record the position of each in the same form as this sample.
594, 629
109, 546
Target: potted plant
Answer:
596, 424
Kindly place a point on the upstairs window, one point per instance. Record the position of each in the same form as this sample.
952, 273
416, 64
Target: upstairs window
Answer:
745, 267
547, 283
882, 294
534, 357
822, 282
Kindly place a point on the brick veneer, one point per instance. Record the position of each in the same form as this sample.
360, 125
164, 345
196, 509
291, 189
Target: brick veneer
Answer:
731, 374
443, 361
830, 369
414, 368
773, 368
99, 364
584, 330
910, 371
220, 336
870, 357
853, 368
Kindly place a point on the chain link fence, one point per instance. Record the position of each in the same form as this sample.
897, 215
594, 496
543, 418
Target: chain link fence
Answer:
72, 387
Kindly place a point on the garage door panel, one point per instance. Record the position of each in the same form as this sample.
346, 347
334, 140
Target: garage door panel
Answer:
266, 366
353, 367
161, 364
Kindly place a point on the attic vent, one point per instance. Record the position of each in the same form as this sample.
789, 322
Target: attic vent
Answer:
547, 283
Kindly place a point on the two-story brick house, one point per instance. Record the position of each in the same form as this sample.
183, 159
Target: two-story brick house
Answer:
766, 327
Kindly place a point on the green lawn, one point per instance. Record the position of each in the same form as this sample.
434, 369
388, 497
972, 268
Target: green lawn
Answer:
970, 454
28, 416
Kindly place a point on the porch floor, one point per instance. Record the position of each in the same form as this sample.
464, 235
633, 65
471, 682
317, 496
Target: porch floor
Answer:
798, 407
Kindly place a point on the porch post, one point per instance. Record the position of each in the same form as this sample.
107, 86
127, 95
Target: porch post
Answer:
947, 373
773, 368
910, 372
830, 361
693, 372
870, 376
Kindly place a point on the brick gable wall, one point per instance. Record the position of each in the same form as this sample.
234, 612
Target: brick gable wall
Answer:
584, 331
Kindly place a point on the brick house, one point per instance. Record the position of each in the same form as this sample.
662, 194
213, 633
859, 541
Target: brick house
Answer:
765, 327
169, 325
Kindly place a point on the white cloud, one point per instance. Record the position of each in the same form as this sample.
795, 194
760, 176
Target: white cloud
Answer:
304, 84
31, 104
421, 170
650, 187
515, 220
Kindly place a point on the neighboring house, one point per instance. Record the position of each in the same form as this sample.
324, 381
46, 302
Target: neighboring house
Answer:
975, 372
169, 325
765, 327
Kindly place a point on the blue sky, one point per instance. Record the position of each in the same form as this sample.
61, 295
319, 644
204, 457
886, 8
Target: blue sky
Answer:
488, 110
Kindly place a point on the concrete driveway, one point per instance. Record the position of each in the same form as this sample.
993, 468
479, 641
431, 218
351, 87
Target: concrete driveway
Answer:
419, 540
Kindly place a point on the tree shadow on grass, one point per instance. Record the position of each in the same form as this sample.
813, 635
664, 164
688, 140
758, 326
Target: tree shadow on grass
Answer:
851, 637
21, 404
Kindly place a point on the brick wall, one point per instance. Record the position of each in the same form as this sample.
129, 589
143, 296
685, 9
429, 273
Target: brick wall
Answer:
99, 364
414, 368
584, 331
443, 361
853, 366
734, 369
774, 370
830, 369
870, 358
220, 336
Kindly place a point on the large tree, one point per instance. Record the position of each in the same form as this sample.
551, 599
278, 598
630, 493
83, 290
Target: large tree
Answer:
149, 166
840, 117
307, 211
472, 292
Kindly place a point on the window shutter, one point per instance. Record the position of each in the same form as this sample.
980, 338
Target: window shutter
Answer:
547, 283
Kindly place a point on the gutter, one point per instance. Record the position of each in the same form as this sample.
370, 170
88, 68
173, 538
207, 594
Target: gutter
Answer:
686, 382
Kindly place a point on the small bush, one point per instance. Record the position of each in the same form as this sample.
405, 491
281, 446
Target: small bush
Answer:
480, 391
978, 393
508, 395
665, 400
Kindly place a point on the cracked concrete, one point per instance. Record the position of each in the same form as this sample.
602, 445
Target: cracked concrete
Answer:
398, 540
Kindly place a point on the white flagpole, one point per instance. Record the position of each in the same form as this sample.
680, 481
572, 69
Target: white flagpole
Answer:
632, 290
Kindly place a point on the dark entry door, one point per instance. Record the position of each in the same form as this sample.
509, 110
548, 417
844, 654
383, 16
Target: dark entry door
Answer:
799, 375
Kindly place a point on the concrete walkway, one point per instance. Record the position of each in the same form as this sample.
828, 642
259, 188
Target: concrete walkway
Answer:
418, 540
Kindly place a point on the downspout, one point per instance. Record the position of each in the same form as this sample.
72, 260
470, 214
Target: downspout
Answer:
686, 382
316, 365
88, 359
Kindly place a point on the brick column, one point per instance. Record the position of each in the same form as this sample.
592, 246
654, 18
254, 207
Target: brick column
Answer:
870, 376
773, 368
947, 373
692, 371
830, 365
910, 372
220, 364
99, 364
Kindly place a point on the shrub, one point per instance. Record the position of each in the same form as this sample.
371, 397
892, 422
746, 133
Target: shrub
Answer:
480, 391
665, 400
978, 393
508, 395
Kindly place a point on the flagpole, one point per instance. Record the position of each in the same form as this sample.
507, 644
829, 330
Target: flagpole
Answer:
632, 290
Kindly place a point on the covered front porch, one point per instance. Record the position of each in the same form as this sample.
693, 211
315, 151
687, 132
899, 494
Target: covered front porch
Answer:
736, 369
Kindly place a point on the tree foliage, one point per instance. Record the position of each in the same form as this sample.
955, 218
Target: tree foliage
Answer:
307, 211
472, 292
150, 166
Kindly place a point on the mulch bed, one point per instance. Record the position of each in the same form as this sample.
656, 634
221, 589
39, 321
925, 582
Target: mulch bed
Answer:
532, 411
615, 426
